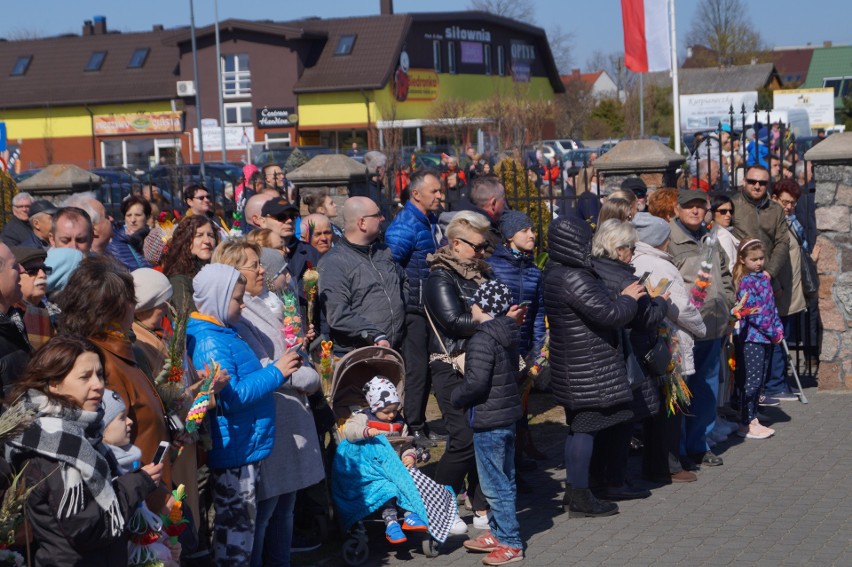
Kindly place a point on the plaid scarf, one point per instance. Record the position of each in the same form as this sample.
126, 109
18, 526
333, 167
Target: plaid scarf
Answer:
71, 436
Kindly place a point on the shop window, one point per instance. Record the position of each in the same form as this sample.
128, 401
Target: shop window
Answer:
487, 59
238, 114
21, 65
96, 61
277, 139
344, 46
501, 63
137, 60
236, 76
451, 57
436, 55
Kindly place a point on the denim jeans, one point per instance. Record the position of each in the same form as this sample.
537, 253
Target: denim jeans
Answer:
777, 381
495, 462
704, 385
274, 530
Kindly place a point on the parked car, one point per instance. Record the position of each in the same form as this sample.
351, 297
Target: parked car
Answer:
564, 145
117, 184
26, 174
580, 158
172, 179
280, 155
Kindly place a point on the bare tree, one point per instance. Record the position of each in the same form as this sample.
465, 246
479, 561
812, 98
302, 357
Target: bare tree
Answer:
613, 64
562, 47
521, 10
725, 28
24, 34
573, 108
450, 118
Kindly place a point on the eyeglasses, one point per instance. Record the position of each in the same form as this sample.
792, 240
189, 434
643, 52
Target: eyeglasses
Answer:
20, 206
203, 198
288, 216
33, 271
761, 182
377, 215
251, 267
478, 248
725, 211
787, 202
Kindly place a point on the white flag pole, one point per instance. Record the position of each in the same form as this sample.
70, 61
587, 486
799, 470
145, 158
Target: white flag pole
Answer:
675, 89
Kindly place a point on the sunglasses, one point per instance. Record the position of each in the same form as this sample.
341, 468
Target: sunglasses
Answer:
203, 198
760, 182
33, 271
478, 248
725, 211
289, 215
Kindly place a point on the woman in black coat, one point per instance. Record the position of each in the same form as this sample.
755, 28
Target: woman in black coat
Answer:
456, 271
588, 374
612, 249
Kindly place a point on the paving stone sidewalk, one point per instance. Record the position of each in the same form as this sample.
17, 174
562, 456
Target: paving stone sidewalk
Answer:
782, 501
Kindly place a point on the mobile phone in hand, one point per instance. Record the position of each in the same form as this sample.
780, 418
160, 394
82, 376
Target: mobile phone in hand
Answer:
161, 452
644, 278
524, 304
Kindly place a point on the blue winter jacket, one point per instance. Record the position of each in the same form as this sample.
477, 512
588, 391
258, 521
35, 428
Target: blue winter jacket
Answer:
243, 423
411, 238
520, 274
127, 249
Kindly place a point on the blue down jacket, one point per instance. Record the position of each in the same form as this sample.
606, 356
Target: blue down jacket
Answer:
127, 249
410, 238
520, 274
243, 423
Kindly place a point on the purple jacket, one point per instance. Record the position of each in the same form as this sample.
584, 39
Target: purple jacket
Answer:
765, 325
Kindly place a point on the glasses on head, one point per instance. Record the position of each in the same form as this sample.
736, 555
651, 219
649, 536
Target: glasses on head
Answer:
725, 211
478, 248
33, 271
761, 182
376, 215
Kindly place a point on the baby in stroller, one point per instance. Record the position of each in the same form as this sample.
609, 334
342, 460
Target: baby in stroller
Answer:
382, 417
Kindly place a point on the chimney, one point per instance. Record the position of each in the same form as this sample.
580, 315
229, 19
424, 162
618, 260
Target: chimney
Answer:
386, 7
100, 25
575, 73
87, 28
157, 27
826, 44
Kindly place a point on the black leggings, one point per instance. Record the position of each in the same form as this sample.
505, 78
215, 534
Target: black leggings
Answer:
459, 460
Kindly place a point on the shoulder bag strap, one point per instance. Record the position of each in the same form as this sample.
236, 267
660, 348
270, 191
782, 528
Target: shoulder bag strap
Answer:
435, 330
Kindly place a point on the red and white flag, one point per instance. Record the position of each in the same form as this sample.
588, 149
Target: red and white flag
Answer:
646, 35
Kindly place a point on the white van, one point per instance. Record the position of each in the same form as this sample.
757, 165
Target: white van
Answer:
795, 120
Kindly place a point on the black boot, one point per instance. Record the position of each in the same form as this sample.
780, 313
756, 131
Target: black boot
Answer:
583, 504
566, 498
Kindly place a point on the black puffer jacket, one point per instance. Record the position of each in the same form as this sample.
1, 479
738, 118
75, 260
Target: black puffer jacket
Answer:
447, 296
587, 366
15, 351
490, 386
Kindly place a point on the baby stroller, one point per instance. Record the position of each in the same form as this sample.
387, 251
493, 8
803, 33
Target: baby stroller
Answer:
350, 374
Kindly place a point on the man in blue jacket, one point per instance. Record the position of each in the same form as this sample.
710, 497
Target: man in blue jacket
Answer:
412, 236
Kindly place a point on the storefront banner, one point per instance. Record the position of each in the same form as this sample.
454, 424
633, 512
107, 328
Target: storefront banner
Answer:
235, 138
704, 112
422, 84
140, 123
819, 104
275, 117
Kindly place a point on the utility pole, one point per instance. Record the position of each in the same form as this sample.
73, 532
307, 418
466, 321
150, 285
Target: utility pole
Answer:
197, 87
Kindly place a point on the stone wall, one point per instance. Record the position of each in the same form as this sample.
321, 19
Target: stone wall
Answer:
834, 220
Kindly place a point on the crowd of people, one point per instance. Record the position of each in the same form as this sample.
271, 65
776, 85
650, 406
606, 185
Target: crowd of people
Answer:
209, 337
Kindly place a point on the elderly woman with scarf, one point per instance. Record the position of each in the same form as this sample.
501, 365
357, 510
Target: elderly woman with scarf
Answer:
79, 505
243, 427
456, 272
295, 461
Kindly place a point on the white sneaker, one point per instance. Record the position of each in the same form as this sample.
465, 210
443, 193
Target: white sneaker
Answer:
459, 527
481, 522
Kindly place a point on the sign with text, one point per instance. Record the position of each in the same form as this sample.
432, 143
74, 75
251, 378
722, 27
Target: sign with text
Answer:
274, 117
139, 123
523, 54
704, 112
235, 138
422, 84
819, 104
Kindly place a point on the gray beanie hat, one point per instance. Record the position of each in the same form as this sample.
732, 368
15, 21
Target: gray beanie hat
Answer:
113, 405
273, 261
511, 222
652, 230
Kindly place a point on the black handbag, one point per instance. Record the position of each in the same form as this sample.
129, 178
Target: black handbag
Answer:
644, 357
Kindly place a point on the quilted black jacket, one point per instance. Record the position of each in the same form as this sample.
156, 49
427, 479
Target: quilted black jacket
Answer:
448, 296
587, 365
490, 387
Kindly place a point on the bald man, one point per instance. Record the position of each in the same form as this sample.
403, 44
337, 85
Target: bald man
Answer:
252, 216
316, 231
362, 289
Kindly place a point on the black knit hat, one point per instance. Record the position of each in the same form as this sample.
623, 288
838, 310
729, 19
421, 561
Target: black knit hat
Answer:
493, 298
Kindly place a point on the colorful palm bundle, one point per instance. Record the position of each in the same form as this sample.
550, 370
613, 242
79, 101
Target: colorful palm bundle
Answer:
704, 279
677, 393
198, 408
291, 318
326, 365
310, 281
146, 532
175, 524
740, 311
237, 226
170, 382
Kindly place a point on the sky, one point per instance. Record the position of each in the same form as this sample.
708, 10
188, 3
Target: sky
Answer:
595, 24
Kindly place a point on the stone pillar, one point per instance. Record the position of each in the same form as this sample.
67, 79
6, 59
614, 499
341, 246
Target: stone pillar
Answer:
832, 160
